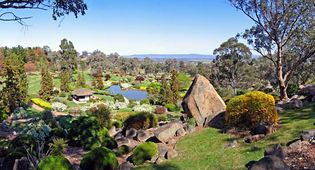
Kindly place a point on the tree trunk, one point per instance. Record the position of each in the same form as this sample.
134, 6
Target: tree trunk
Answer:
281, 81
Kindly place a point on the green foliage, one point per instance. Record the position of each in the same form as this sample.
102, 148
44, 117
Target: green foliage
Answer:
175, 86
46, 84
98, 159
118, 124
143, 152
251, 109
55, 163
14, 91
292, 89
119, 98
132, 103
192, 122
81, 80
99, 79
142, 120
47, 116
86, 131
122, 150
145, 101
103, 115
171, 107
69, 56
58, 146
41, 103
184, 81
154, 88
65, 80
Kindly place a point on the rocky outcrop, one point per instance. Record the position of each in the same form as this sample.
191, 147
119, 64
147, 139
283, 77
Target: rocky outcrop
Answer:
168, 131
202, 101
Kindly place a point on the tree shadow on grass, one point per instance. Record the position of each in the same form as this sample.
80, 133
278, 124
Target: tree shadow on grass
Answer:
306, 113
164, 166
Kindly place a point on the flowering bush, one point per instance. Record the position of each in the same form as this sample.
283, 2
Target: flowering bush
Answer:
60, 107
143, 108
251, 109
125, 85
41, 103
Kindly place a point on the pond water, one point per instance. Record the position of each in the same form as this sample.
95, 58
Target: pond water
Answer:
131, 94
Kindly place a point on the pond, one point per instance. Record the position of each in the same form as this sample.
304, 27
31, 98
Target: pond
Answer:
131, 94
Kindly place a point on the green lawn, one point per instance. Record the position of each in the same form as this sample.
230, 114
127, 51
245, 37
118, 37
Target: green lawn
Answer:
205, 149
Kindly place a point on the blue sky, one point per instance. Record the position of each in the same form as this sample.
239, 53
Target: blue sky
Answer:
133, 27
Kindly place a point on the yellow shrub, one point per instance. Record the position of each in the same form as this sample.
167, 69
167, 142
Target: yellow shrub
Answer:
251, 109
41, 103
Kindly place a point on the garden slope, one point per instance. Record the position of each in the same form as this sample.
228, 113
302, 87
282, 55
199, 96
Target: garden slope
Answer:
205, 149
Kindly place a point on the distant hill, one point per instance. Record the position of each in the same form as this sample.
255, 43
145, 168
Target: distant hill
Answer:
179, 57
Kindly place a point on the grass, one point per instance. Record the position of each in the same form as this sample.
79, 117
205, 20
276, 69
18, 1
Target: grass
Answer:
205, 149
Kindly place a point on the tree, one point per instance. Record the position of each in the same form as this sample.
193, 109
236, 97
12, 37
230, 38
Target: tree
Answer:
232, 58
14, 92
69, 55
163, 96
64, 80
59, 8
279, 24
99, 79
175, 87
46, 84
81, 79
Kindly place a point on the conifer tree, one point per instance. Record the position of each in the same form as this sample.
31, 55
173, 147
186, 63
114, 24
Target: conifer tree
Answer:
175, 87
65, 80
81, 80
99, 79
46, 84
14, 92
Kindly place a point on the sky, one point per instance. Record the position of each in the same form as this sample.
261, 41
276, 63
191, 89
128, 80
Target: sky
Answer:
133, 27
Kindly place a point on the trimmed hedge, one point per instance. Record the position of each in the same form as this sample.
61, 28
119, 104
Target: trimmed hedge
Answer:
55, 163
98, 159
251, 109
143, 152
41, 103
142, 120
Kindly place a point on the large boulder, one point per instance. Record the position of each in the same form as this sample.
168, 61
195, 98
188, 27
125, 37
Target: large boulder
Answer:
269, 162
202, 101
168, 131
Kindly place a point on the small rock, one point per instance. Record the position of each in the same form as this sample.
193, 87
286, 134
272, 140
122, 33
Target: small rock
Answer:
269, 162
254, 138
188, 128
160, 160
112, 131
166, 132
171, 154
259, 129
231, 144
154, 158
143, 135
123, 141
294, 144
279, 109
308, 135
125, 166
171, 142
275, 150
118, 136
162, 149
131, 133
160, 110
180, 132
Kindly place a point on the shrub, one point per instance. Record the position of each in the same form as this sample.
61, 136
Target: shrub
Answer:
132, 103
171, 107
118, 124
292, 89
41, 103
58, 146
142, 120
192, 122
99, 158
251, 109
122, 150
145, 101
119, 98
143, 108
143, 152
103, 115
59, 107
55, 163
86, 132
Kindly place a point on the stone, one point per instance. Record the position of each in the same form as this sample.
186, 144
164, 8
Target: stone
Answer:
279, 109
259, 129
154, 158
275, 150
294, 144
112, 131
118, 136
131, 133
188, 128
313, 99
171, 154
160, 110
253, 138
162, 149
308, 135
143, 135
202, 101
269, 162
231, 144
125, 166
172, 142
123, 141
180, 132
168, 131
160, 160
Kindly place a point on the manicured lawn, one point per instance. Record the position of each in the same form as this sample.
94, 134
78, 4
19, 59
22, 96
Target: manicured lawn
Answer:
205, 149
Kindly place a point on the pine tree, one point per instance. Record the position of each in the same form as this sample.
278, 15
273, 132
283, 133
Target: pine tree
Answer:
46, 84
99, 79
81, 80
65, 80
175, 87
14, 92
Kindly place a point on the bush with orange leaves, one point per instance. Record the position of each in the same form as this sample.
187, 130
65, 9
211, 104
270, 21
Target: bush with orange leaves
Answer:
251, 109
